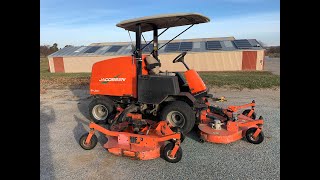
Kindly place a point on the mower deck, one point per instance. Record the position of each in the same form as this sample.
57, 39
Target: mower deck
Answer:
231, 132
219, 136
144, 145
226, 125
121, 147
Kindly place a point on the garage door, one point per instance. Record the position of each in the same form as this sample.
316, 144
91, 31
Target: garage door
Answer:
249, 60
58, 64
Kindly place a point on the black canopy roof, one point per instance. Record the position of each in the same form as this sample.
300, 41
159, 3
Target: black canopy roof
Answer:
163, 21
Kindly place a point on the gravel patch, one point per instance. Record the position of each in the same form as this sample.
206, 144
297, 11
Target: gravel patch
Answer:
63, 119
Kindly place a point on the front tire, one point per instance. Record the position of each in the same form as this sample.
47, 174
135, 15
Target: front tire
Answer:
179, 114
100, 109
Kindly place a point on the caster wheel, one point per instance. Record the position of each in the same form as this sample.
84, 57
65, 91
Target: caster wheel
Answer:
166, 151
201, 140
251, 139
91, 145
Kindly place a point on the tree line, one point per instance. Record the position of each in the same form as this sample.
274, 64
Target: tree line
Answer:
273, 49
46, 50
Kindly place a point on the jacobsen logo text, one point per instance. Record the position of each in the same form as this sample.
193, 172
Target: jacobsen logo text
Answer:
112, 79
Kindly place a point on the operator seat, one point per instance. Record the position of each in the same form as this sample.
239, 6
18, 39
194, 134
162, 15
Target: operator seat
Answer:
153, 67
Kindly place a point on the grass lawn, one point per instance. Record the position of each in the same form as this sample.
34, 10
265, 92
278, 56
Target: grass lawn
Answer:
233, 79
241, 79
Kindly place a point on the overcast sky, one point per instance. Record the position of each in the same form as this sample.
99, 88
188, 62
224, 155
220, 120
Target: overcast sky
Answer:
79, 22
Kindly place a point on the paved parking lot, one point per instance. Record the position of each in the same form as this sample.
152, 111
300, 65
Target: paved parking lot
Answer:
272, 65
63, 120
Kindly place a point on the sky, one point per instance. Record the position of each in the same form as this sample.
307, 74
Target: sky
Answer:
80, 22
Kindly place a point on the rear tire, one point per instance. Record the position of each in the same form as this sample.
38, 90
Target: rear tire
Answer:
179, 114
100, 109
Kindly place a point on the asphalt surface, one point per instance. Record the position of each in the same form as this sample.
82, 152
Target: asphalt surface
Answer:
63, 120
272, 65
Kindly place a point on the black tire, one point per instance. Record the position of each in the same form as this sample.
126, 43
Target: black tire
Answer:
182, 110
101, 105
246, 112
252, 140
91, 145
182, 137
166, 151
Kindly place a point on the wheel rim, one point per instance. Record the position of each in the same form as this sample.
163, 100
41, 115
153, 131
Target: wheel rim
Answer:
168, 153
100, 112
84, 143
252, 138
176, 119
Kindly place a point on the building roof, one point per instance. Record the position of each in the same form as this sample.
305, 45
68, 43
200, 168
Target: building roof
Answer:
164, 41
191, 45
163, 21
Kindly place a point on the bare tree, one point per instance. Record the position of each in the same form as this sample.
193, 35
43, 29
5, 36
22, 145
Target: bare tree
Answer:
46, 50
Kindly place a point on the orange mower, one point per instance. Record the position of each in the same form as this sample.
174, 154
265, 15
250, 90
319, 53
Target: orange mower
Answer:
136, 83
137, 138
144, 107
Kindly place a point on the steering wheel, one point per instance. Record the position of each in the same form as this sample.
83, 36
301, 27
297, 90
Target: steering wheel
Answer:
180, 57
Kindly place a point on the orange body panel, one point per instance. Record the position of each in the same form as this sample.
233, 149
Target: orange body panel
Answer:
194, 81
115, 77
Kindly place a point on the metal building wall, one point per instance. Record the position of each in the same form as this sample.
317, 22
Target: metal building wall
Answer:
260, 60
51, 65
204, 61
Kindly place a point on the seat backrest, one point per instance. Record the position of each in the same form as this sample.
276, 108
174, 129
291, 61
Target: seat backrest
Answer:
151, 60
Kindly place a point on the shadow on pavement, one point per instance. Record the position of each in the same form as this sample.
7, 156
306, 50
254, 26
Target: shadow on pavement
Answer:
83, 100
193, 134
47, 116
79, 130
